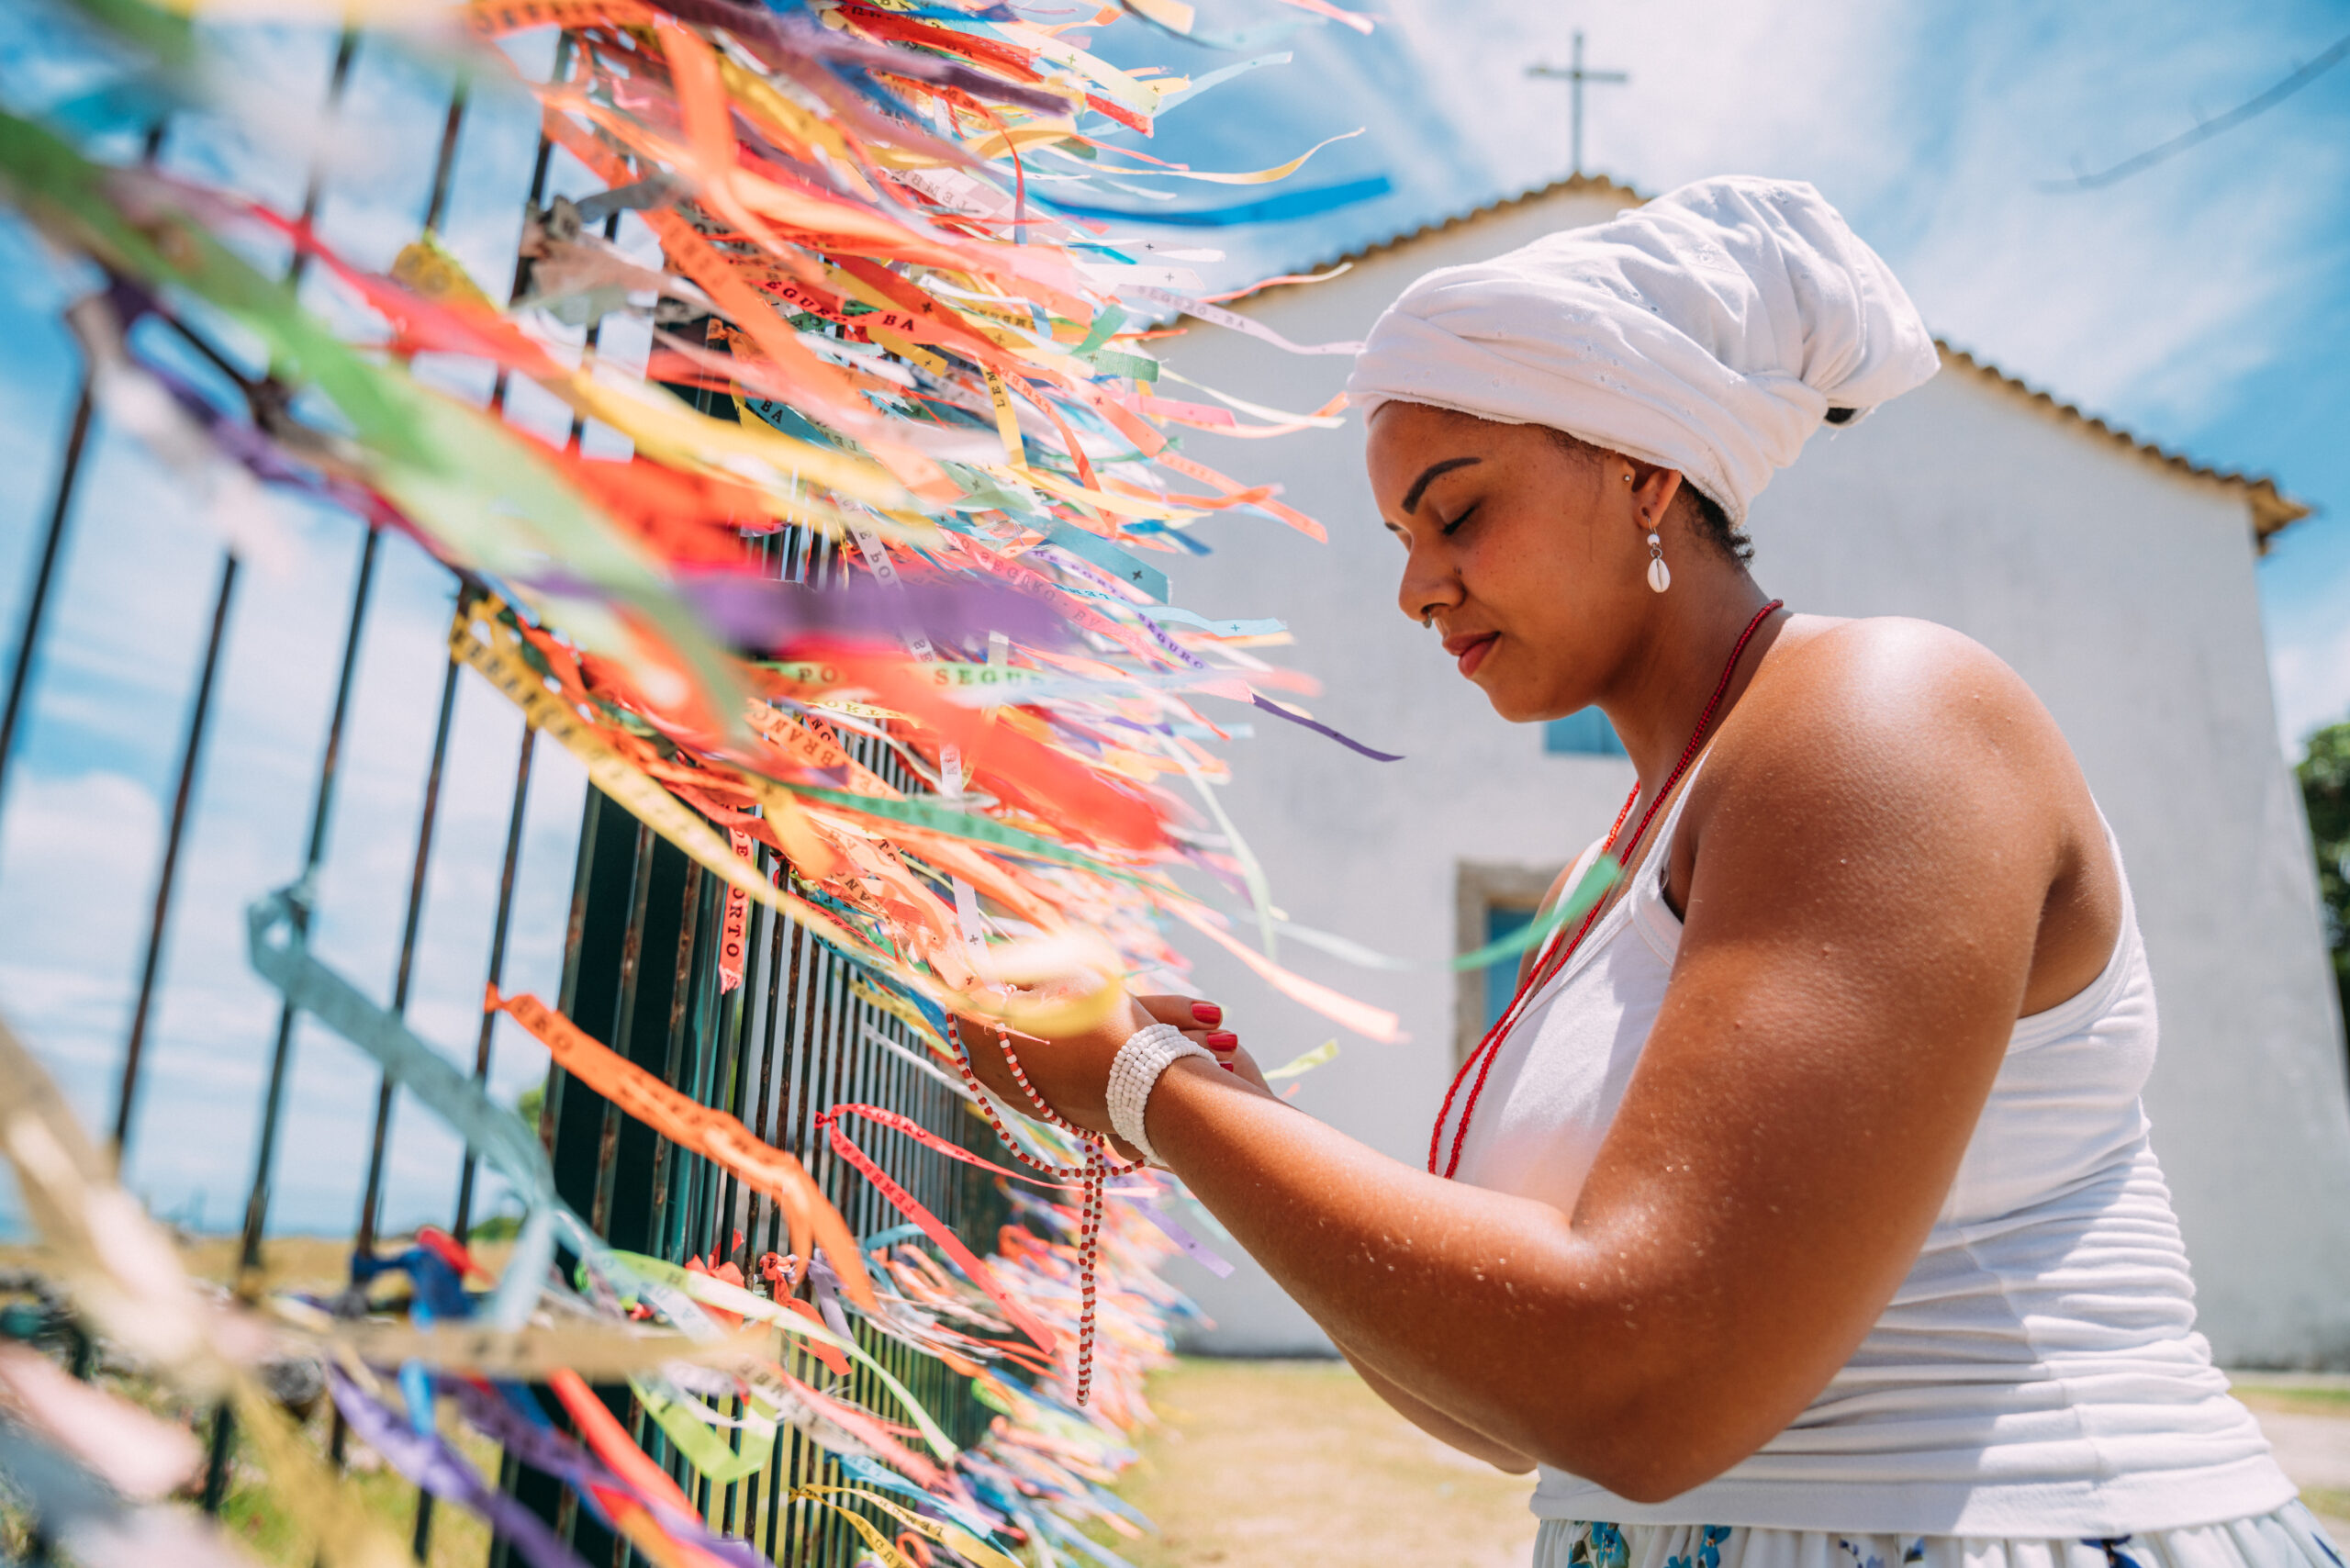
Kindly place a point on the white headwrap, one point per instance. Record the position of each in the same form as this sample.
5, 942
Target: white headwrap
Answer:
1708, 331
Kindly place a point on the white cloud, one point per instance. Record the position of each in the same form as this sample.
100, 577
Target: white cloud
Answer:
78, 852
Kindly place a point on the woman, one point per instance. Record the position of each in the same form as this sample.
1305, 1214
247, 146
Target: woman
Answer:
1800, 1210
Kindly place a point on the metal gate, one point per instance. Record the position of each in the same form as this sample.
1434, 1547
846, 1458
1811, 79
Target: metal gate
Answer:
638, 958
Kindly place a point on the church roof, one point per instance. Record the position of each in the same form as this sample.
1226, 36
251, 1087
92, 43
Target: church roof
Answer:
2271, 509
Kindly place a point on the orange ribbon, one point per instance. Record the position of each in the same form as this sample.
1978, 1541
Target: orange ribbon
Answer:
705, 1130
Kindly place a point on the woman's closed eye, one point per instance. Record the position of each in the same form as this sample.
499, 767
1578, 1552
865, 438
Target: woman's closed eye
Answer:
1453, 527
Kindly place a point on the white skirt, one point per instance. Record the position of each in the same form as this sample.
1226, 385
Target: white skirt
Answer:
2290, 1537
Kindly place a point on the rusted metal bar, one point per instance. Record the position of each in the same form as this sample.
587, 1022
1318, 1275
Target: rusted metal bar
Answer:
664, 1228
632, 965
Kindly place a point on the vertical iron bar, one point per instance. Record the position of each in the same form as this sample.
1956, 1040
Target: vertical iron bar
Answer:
428, 819
515, 821
45, 569
575, 932
191, 757
321, 818
435, 208
371, 1198
551, 1112
567, 1504
665, 1228
216, 1477
631, 967
44, 576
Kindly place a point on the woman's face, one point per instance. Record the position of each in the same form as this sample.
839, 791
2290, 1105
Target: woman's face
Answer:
1531, 556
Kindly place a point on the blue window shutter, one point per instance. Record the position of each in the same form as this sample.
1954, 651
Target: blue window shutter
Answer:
1585, 732
1501, 980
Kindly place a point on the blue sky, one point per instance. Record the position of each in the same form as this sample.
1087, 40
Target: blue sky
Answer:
2205, 304
82, 824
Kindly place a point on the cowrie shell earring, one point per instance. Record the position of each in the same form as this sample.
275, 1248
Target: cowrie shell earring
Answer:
1660, 575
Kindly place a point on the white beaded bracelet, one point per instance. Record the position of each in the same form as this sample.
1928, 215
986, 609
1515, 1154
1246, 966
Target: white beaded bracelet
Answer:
1149, 1052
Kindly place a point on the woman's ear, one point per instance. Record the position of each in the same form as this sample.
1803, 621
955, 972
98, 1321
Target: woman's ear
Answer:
1651, 490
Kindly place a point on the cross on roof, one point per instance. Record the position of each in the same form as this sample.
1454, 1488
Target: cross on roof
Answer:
1574, 75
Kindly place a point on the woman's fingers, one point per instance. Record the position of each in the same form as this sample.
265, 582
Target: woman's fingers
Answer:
1186, 1012
1201, 1022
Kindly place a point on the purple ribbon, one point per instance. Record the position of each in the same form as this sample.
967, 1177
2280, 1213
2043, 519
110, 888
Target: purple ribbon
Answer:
428, 1461
767, 616
1191, 1246
1279, 712
544, 1448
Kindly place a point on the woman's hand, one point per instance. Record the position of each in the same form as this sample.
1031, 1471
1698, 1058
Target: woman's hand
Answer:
1071, 1072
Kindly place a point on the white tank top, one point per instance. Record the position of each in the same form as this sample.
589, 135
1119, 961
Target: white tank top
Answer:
2037, 1373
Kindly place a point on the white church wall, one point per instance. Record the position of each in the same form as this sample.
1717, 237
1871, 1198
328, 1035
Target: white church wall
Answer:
2122, 590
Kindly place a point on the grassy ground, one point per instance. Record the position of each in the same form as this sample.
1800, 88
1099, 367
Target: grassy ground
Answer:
305, 1262
1255, 1464
1268, 1464
2328, 1396
2323, 1395
248, 1512
316, 1263
460, 1540
322, 1264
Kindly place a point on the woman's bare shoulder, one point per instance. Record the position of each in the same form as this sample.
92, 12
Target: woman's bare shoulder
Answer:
1888, 688
1848, 721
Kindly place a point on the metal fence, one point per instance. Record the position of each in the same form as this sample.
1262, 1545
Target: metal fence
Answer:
640, 969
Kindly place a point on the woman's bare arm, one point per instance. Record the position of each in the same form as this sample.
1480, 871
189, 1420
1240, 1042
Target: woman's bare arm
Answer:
1436, 1424
1861, 928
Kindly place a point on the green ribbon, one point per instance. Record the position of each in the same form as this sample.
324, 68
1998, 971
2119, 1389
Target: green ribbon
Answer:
1108, 319
1132, 364
699, 1442
279, 954
953, 823
1588, 892
486, 493
754, 1305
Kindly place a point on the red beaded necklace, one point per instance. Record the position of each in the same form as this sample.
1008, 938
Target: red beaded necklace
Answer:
1554, 959
1092, 1177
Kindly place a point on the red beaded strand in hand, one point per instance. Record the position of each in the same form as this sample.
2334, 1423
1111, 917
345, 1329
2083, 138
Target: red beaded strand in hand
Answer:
1092, 1177
1555, 957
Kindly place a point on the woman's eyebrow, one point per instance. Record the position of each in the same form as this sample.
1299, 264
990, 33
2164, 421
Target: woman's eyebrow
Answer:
1411, 496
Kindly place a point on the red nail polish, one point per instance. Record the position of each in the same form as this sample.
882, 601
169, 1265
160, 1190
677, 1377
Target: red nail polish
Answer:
1207, 1013
1227, 1067
1223, 1040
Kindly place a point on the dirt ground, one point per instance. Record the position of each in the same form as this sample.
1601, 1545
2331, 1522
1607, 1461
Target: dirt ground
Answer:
2307, 1419
1270, 1464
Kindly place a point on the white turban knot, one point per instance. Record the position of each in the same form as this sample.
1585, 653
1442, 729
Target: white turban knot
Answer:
1709, 332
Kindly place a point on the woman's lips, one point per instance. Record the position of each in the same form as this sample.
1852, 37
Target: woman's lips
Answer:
1475, 653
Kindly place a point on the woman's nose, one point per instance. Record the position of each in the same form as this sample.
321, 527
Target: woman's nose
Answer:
1424, 590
